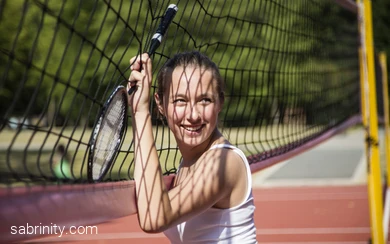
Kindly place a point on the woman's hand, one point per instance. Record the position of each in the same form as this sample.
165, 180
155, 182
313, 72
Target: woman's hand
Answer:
141, 77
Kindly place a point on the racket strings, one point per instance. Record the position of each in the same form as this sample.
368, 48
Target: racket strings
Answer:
109, 135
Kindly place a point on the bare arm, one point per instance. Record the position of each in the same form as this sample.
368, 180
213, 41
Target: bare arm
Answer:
151, 194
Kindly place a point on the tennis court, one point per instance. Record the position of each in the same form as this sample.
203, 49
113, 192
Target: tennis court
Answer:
283, 215
292, 206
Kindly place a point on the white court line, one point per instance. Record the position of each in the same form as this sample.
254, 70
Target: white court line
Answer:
386, 215
310, 196
316, 242
271, 231
311, 231
308, 182
105, 236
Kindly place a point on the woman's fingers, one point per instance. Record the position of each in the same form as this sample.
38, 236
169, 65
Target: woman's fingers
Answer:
138, 62
136, 76
141, 77
141, 68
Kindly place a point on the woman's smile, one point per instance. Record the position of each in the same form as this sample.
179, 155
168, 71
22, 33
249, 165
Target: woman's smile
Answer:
193, 129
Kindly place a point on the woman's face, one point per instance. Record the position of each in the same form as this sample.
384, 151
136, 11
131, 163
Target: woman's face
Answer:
191, 105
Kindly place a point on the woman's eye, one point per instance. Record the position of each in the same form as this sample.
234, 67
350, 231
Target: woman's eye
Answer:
179, 101
206, 101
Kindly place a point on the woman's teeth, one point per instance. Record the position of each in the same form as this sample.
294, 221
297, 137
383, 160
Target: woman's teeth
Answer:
192, 128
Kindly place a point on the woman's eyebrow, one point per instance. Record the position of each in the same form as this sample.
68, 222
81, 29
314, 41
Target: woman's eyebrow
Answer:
176, 95
206, 94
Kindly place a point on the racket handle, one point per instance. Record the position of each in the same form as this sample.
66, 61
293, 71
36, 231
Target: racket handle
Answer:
162, 28
157, 38
131, 90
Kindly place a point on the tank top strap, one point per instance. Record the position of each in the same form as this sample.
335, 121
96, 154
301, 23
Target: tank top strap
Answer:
244, 159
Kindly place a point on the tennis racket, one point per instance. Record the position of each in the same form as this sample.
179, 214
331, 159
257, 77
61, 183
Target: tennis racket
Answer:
107, 134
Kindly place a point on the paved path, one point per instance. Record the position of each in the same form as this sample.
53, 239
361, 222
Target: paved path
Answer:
340, 161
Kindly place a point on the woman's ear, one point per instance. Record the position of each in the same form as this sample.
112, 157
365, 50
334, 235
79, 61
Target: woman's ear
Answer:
159, 103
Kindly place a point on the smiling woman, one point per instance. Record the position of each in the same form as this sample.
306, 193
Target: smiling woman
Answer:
211, 199
192, 105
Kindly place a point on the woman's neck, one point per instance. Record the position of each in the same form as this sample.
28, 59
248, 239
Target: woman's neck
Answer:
191, 155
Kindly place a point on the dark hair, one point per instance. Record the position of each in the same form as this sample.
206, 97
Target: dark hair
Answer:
185, 59
61, 149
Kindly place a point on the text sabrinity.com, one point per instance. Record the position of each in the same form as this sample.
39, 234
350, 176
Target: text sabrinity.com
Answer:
53, 229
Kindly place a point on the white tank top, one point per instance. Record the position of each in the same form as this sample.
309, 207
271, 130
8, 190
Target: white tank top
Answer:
231, 225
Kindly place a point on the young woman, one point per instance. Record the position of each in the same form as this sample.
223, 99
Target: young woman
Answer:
211, 200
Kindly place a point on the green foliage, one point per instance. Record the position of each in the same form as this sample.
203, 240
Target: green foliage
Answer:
61, 59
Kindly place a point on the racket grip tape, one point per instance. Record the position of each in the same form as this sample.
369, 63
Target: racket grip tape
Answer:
162, 28
131, 90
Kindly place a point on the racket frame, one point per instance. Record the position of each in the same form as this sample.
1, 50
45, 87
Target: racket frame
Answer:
119, 90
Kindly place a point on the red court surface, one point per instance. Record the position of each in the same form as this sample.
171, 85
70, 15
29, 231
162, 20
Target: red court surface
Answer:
315, 215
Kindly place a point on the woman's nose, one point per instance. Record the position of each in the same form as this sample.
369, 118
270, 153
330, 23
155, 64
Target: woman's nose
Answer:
194, 113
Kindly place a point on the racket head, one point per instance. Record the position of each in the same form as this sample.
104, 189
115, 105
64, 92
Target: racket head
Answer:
107, 134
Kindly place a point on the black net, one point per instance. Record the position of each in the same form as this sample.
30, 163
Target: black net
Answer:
291, 70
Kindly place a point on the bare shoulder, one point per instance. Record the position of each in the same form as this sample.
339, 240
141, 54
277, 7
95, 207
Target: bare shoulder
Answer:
226, 160
232, 175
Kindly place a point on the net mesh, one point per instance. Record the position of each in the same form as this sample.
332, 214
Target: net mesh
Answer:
291, 71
